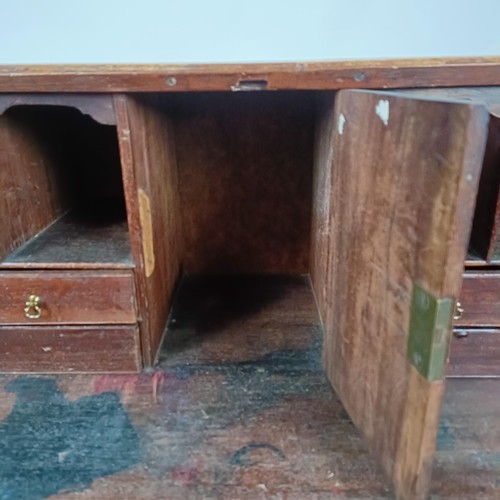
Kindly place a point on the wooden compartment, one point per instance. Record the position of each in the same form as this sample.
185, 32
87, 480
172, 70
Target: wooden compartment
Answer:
224, 186
65, 253
63, 197
370, 193
245, 170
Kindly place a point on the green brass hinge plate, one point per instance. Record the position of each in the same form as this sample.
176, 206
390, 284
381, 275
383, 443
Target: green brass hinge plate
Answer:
430, 326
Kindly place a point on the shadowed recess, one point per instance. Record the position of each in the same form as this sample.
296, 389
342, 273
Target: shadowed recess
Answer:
205, 305
49, 444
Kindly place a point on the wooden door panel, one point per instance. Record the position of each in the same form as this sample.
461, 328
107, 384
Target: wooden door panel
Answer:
402, 193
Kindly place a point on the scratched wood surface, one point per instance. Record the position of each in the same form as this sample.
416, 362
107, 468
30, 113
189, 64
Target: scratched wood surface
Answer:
485, 236
388, 73
404, 184
327, 124
240, 410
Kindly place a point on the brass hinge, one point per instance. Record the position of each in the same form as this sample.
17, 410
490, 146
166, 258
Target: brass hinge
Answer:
430, 327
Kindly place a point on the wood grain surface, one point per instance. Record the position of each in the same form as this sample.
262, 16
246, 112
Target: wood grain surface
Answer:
485, 235
405, 174
29, 180
69, 349
151, 186
480, 299
388, 73
475, 352
326, 126
245, 181
68, 297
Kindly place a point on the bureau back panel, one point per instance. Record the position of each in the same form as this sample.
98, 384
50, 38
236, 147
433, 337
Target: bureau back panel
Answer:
245, 181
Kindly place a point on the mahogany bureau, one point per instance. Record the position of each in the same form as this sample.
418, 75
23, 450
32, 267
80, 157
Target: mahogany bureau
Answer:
377, 178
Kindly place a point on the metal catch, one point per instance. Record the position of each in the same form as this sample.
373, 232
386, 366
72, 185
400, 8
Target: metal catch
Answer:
459, 311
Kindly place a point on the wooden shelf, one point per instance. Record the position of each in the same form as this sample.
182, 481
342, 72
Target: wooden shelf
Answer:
78, 239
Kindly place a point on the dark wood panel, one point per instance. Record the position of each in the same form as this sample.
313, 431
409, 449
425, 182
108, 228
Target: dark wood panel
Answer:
404, 182
389, 73
99, 107
150, 180
98, 236
67, 349
485, 237
245, 181
68, 297
30, 200
480, 299
475, 352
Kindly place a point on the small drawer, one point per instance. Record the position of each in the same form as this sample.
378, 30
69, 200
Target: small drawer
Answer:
475, 352
69, 297
480, 299
69, 349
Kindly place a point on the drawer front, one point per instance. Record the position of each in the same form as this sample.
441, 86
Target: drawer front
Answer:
475, 353
69, 349
480, 299
72, 297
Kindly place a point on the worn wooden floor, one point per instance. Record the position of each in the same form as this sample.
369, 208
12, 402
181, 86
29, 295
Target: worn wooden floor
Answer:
238, 408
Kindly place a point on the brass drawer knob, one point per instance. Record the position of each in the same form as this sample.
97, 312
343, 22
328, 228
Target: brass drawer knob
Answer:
33, 309
459, 310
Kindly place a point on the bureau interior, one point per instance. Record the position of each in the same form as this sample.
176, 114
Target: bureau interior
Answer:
62, 193
244, 171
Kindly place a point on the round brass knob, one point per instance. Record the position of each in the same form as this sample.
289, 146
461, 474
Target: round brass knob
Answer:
33, 309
